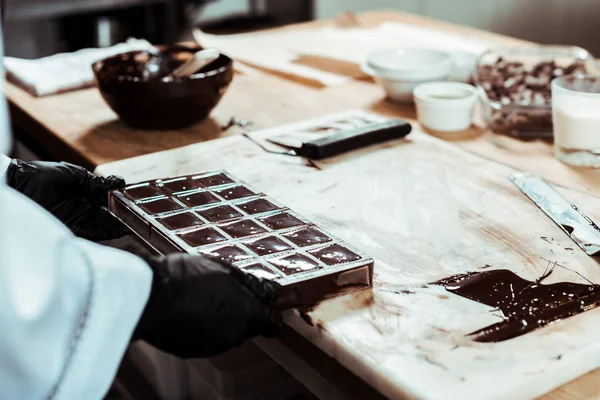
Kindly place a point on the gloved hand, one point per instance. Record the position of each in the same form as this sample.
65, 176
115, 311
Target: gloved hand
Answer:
200, 307
72, 194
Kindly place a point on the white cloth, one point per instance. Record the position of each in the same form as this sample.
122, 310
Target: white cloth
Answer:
4, 162
63, 72
67, 306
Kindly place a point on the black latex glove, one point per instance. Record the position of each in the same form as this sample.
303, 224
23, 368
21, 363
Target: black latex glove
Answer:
72, 194
200, 307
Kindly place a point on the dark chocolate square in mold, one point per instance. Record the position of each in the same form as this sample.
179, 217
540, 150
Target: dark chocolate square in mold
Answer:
242, 228
180, 221
335, 254
268, 245
202, 237
229, 254
198, 199
294, 264
236, 192
220, 213
260, 271
215, 180
160, 206
142, 192
179, 185
258, 206
307, 237
281, 221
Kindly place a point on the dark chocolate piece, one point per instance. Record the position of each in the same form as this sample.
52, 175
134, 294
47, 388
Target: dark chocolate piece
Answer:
268, 245
242, 228
229, 254
335, 254
142, 192
294, 264
307, 237
198, 199
355, 138
281, 221
260, 271
180, 221
160, 206
236, 192
526, 305
258, 206
215, 180
179, 185
202, 237
220, 213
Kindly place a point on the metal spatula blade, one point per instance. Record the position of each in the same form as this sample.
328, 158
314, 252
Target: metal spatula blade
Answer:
580, 228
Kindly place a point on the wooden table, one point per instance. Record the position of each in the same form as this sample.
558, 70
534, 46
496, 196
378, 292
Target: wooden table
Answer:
78, 127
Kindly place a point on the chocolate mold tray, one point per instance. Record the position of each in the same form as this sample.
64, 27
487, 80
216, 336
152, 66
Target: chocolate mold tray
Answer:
217, 215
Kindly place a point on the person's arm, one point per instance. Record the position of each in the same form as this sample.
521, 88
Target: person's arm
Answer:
68, 307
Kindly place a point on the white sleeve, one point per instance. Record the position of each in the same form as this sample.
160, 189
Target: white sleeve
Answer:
67, 306
4, 162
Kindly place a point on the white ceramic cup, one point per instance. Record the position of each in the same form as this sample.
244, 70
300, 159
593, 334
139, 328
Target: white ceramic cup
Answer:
445, 106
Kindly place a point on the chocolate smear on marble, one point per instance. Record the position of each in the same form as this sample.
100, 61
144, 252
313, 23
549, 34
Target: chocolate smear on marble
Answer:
525, 305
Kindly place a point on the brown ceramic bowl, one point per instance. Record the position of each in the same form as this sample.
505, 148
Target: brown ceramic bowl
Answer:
137, 87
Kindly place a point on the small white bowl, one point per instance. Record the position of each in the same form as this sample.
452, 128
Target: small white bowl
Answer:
400, 70
445, 106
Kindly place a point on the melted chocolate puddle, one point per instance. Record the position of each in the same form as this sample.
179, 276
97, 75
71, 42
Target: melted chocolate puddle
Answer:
526, 305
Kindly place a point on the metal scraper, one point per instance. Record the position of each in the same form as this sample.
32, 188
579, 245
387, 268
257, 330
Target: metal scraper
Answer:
580, 228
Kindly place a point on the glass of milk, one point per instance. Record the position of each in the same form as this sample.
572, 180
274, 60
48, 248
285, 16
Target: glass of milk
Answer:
576, 120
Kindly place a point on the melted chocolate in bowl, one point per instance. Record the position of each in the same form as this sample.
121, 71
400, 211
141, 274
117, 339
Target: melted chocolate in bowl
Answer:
526, 305
138, 88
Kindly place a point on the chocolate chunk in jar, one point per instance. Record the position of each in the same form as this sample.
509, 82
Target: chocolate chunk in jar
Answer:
229, 254
180, 221
281, 221
220, 213
199, 199
257, 206
506, 82
178, 185
335, 254
294, 264
242, 228
160, 206
268, 245
142, 192
214, 180
236, 192
307, 237
202, 237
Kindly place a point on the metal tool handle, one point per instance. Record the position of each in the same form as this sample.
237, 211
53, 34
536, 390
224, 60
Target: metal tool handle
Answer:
345, 141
